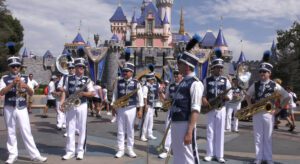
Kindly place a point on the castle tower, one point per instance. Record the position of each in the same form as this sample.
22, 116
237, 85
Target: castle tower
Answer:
181, 29
118, 23
133, 28
165, 6
166, 31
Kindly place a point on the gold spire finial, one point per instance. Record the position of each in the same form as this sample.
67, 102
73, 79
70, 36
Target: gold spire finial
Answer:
181, 29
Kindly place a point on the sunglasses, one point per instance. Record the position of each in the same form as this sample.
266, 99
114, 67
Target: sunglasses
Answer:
71, 68
15, 66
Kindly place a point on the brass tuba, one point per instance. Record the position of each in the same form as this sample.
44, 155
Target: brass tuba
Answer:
262, 105
62, 64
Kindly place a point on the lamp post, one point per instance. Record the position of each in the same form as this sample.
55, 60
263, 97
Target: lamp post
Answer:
96, 39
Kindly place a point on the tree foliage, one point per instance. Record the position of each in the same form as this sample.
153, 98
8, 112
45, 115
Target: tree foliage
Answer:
288, 66
10, 30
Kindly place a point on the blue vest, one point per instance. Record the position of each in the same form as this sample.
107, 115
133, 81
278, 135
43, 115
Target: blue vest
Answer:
172, 90
152, 94
260, 93
75, 84
10, 96
125, 87
181, 109
214, 87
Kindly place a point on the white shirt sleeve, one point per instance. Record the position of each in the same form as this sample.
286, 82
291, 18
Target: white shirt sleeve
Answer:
196, 92
115, 93
251, 91
90, 87
140, 95
35, 83
284, 94
228, 86
65, 87
2, 84
145, 92
51, 87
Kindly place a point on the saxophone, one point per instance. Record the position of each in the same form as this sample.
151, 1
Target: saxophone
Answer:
215, 103
74, 99
262, 105
123, 101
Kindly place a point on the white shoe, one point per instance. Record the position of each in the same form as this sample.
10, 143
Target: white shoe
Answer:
152, 137
163, 155
257, 161
11, 159
120, 154
221, 160
113, 120
131, 153
207, 158
68, 156
108, 113
64, 126
143, 138
66, 135
40, 159
79, 156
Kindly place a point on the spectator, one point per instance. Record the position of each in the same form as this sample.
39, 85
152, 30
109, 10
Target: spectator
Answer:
97, 99
292, 106
51, 101
33, 85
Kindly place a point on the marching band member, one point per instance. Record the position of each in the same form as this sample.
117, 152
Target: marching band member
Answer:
170, 93
215, 85
263, 121
150, 91
185, 112
78, 112
14, 86
60, 118
234, 105
126, 115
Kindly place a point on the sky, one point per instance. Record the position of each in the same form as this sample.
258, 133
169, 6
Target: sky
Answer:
50, 24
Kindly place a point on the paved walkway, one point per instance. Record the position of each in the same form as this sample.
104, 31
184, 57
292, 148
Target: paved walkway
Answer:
101, 142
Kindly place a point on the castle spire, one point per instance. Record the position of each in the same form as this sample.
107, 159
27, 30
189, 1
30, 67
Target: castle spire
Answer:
181, 29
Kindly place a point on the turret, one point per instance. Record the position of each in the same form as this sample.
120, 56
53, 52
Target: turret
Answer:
166, 30
118, 23
165, 7
133, 28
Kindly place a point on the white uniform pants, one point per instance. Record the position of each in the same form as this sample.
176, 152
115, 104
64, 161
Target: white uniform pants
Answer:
125, 120
15, 117
168, 138
263, 127
148, 122
215, 133
183, 154
74, 115
61, 117
232, 108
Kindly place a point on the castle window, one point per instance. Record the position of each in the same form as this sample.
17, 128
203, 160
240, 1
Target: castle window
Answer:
149, 42
150, 26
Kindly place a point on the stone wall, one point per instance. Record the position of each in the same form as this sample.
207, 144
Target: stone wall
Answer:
35, 66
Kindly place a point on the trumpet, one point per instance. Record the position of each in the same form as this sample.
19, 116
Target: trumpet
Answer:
161, 147
262, 105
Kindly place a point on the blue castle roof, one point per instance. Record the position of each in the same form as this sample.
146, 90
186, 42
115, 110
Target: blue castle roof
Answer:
118, 15
150, 8
78, 39
209, 39
220, 39
25, 54
242, 58
166, 21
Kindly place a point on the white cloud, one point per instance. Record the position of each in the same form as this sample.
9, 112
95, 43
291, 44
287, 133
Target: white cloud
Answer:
50, 24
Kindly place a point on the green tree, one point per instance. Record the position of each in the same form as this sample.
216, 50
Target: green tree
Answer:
10, 30
288, 66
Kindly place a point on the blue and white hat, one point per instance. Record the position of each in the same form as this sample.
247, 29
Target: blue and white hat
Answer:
188, 59
71, 65
150, 76
266, 67
14, 60
79, 62
128, 66
217, 61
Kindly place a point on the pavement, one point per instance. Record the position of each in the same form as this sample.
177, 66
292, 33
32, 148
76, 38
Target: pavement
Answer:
101, 142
